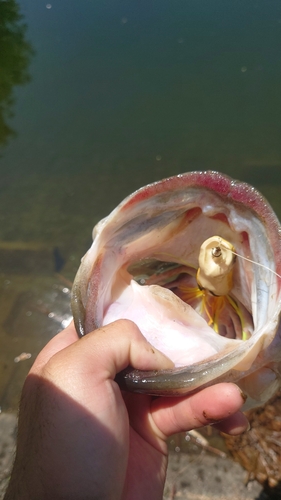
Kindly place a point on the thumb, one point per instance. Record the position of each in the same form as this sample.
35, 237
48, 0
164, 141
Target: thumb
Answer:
112, 348
102, 353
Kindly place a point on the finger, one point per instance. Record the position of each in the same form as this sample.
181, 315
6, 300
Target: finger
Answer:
108, 350
209, 406
63, 339
234, 425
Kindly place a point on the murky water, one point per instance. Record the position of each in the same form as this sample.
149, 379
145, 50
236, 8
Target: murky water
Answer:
98, 98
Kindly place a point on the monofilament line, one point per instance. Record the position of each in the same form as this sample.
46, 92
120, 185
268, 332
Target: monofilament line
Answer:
256, 263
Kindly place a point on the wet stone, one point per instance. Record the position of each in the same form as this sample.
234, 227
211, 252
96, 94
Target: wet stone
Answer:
22, 257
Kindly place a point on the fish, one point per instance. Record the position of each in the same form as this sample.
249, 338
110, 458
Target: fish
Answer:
195, 261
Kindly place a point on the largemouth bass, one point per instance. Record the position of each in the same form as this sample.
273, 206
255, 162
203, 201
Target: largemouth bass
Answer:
195, 261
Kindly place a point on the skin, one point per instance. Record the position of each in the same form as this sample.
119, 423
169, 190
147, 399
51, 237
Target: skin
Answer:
80, 437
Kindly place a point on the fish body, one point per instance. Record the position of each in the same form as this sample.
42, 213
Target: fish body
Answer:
195, 261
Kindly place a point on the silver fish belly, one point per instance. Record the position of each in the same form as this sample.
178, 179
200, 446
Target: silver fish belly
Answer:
195, 261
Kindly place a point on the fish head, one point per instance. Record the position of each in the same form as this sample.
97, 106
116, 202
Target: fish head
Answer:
195, 261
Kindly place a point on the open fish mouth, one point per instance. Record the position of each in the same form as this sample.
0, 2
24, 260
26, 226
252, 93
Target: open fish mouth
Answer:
195, 262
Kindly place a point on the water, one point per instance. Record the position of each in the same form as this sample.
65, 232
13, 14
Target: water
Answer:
98, 98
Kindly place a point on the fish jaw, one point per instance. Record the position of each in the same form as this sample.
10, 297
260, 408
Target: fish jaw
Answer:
167, 221
185, 336
259, 381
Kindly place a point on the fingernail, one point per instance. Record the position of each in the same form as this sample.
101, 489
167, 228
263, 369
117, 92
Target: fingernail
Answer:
248, 427
211, 420
167, 362
214, 422
243, 395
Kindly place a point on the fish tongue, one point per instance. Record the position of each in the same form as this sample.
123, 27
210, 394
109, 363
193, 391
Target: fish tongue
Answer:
168, 323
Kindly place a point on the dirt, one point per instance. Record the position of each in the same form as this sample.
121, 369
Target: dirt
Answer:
193, 476
7, 447
202, 477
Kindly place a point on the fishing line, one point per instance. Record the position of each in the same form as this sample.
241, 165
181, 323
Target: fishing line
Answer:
252, 261
182, 261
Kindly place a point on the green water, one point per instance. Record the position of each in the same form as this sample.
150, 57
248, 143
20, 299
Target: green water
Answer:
100, 97
124, 93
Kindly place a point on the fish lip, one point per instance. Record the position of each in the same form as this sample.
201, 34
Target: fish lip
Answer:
180, 381
233, 191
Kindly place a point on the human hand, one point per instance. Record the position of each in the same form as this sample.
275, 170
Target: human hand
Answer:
80, 437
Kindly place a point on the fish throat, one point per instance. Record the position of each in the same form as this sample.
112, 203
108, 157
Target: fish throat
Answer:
207, 288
